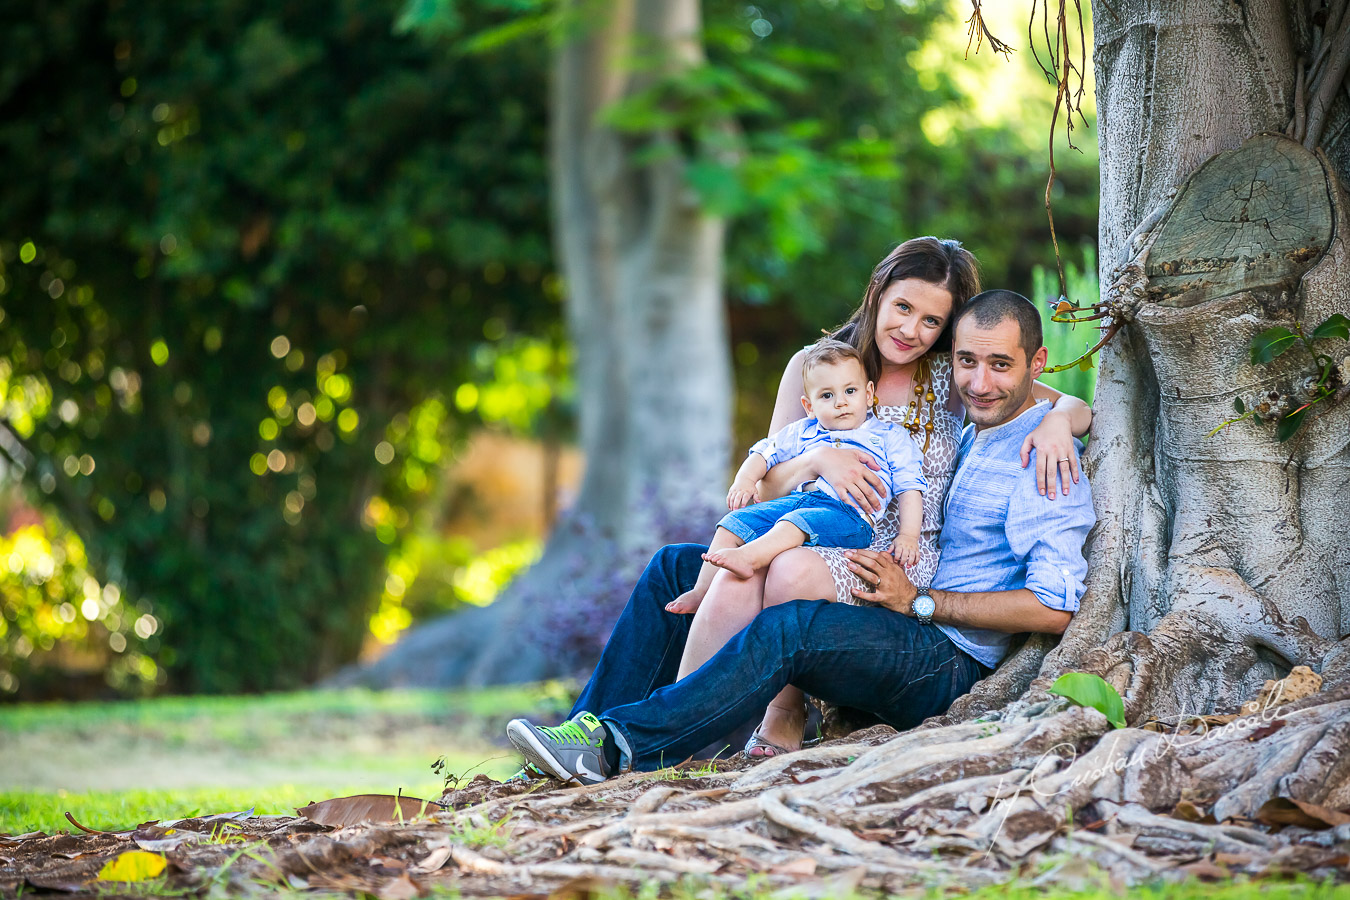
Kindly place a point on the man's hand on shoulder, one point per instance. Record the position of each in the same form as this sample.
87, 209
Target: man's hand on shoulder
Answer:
1056, 454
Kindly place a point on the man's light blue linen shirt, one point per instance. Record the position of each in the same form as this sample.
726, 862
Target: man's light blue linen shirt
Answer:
901, 462
999, 534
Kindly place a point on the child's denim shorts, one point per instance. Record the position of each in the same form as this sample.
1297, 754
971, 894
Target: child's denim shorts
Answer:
825, 521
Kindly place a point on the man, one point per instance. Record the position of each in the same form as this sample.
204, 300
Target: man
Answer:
1012, 561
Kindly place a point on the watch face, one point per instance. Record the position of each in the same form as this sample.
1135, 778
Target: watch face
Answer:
924, 605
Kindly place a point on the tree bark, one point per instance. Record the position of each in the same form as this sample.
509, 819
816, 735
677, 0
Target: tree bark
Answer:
642, 263
1217, 562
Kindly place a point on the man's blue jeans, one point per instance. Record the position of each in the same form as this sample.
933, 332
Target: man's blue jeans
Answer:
869, 658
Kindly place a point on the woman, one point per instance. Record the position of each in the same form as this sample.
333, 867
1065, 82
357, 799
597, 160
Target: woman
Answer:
902, 328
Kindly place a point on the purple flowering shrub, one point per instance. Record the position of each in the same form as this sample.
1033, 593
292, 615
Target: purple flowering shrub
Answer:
572, 620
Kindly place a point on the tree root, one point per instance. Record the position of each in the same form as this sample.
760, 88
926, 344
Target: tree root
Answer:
977, 803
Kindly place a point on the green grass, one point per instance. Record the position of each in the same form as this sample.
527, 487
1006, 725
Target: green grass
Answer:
114, 765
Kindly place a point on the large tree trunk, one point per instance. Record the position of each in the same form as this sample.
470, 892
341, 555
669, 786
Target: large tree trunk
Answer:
642, 263
1217, 562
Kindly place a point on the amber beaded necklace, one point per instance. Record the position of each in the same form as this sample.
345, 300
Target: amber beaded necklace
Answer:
923, 394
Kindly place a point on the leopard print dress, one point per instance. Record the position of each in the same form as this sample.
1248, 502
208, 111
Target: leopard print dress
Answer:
938, 465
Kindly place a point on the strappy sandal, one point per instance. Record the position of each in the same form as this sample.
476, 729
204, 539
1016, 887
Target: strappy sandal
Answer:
766, 749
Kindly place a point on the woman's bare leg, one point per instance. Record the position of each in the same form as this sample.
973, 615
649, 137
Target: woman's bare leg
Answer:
793, 575
729, 605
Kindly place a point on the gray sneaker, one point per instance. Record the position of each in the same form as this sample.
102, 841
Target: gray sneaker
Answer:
572, 751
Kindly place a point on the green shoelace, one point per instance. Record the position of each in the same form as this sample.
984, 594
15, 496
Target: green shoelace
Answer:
571, 733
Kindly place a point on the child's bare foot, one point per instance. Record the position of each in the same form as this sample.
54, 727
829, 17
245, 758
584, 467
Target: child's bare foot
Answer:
688, 602
739, 561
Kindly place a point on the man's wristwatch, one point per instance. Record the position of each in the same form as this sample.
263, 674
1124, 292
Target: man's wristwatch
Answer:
923, 608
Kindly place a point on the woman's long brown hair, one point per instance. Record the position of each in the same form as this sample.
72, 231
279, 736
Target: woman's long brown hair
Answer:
944, 263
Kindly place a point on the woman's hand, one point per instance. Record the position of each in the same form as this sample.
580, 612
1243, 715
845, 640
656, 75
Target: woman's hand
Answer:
853, 474
1056, 457
894, 590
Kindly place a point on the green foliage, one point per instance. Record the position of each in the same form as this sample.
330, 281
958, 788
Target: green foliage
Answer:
248, 253
1321, 382
1084, 689
1271, 343
1336, 326
1068, 341
901, 143
50, 599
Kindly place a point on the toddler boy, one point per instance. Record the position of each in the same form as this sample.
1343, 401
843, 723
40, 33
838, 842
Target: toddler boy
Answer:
838, 403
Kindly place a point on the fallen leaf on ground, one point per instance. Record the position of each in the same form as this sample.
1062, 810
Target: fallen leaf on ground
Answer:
134, 865
400, 888
434, 860
1189, 812
844, 884
160, 839
216, 817
877, 834
1288, 811
341, 811
1266, 730
584, 888
1206, 870
803, 866
709, 794
1299, 683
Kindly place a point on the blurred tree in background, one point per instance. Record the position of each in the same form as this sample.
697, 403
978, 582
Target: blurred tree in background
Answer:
262, 268
823, 133
246, 250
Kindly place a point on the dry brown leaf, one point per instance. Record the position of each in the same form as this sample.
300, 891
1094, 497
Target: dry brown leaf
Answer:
341, 811
55, 882
584, 888
1299, 683
387, 862
434, 860
1205, 724
1189, 812
876, 834
802, 866
1288, 811
1266, 730
15, 838
709, 794
1206, 871
160, 839
400, 888
214, 817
